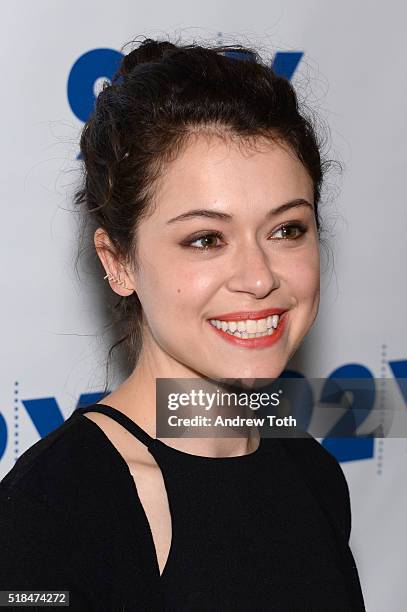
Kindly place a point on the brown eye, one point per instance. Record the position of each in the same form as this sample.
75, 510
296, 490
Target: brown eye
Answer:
291, 231
208, 241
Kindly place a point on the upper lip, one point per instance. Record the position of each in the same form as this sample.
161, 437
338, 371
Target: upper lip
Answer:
243, 315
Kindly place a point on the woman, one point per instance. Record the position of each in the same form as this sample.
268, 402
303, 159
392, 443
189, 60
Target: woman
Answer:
202, 182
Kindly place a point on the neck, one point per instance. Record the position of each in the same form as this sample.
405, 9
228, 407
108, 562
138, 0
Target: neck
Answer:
136, 397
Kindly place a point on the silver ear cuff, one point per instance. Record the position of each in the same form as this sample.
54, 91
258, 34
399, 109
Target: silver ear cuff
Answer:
116, 280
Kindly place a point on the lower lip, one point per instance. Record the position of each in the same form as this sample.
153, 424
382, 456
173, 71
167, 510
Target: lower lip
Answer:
262, 342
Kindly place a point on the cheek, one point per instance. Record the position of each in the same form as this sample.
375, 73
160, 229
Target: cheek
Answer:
304, 279
191, 293
308, 282
305, 289
173, 290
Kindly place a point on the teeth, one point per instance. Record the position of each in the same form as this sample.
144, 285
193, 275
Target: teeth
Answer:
238, 334
251, 328
261, 325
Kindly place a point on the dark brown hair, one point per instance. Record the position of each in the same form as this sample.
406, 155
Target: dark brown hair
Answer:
161, 94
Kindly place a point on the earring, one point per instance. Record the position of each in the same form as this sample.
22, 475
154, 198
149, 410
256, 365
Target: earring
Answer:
116, 280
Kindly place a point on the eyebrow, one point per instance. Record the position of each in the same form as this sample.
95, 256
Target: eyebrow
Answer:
216, 214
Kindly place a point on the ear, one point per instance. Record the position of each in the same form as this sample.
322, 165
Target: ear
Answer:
113, 267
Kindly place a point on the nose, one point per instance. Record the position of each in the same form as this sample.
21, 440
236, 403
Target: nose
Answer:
252, 272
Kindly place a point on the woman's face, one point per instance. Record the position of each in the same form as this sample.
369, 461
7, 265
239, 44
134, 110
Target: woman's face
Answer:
233, 258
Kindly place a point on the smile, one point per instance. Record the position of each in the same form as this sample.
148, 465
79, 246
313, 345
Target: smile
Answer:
251, 333
250, 328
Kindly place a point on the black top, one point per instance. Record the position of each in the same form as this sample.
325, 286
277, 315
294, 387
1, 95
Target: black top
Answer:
263, 531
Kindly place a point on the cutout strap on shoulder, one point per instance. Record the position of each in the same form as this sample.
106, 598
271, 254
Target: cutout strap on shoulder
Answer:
121, 418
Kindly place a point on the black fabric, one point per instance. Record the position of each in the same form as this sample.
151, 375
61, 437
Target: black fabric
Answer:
264, 531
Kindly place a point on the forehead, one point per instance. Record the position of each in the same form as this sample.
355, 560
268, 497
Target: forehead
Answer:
211, 169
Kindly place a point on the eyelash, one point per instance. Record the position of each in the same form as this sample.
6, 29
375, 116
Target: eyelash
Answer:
300, 226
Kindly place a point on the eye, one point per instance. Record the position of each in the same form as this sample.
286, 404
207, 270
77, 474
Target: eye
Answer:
291, 231
208, 240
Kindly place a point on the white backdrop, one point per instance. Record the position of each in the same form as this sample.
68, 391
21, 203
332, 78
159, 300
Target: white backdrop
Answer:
354, 72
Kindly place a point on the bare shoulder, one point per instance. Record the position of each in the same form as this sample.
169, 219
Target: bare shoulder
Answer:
133, 451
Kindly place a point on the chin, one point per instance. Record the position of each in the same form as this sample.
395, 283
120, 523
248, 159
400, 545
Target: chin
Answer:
251, 379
